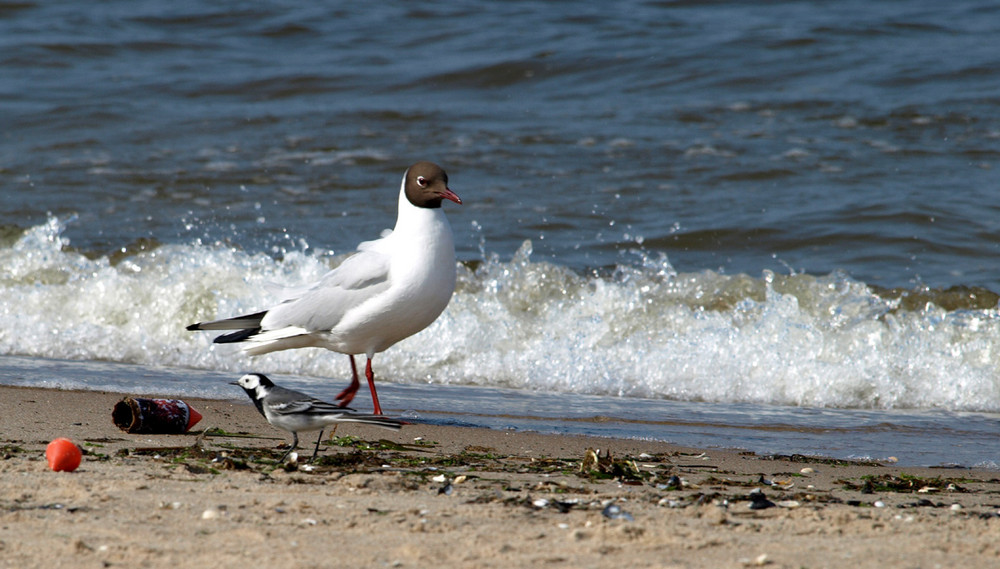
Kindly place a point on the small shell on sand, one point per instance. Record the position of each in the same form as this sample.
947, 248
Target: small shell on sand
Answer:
211, 514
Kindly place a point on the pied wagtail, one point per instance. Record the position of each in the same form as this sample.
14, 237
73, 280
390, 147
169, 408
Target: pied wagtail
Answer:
297, 412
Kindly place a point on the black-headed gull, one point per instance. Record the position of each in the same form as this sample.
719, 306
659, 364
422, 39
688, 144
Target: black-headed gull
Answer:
390, 289
297, 412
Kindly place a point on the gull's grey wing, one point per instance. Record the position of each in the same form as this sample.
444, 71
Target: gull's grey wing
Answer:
359, 278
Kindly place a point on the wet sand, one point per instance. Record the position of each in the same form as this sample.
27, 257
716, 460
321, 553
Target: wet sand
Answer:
433, 496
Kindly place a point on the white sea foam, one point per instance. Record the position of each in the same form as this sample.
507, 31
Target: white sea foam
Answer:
640, 330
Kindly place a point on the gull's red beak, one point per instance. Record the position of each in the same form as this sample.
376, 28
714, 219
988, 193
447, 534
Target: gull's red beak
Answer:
450, 195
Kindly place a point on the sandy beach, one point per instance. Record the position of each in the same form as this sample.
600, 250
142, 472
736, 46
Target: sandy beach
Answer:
432, 496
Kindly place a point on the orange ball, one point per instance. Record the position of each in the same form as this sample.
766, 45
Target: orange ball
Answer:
63, 454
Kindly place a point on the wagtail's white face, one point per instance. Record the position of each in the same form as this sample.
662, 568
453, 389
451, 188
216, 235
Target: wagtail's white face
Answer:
249, 381
254, 383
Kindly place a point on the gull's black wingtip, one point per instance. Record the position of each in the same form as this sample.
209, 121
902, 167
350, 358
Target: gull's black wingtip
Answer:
193, 327
237, 336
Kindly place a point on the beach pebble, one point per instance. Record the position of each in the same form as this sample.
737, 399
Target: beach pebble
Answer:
564, 507
879, 504
438, 478
759, 561
956, 507
807, 470
674, 483
615, 512
758, 501
212, 514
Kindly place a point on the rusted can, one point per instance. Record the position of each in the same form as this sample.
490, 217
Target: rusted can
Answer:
154, 416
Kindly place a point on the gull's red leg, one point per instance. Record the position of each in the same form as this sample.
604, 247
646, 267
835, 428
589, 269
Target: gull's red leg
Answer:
347, 395
370, 375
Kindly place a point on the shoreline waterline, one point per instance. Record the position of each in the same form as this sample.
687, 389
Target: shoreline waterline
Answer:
904, 437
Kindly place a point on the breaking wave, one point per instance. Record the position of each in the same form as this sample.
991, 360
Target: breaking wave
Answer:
639, 330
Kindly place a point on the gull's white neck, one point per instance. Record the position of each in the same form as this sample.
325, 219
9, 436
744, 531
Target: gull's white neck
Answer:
413, 220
